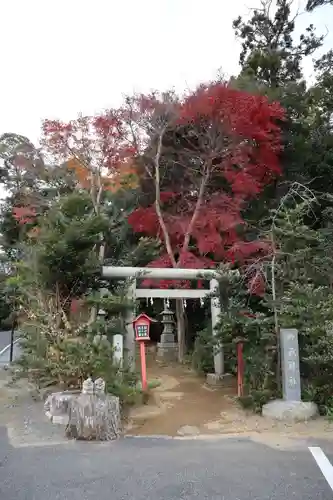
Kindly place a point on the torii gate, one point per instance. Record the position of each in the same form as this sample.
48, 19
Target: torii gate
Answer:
111, 272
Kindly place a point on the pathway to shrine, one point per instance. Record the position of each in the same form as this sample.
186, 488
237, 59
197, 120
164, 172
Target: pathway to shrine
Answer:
182, 404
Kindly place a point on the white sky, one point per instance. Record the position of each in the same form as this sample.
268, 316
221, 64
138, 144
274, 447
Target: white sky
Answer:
62, 57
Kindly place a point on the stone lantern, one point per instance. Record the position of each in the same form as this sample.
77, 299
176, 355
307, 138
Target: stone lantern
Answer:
167, 348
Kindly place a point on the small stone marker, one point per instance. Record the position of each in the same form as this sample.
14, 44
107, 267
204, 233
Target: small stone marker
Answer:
291, 381
290, 407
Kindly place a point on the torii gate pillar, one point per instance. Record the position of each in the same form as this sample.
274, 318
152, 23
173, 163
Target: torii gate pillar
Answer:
129, 340
215, 312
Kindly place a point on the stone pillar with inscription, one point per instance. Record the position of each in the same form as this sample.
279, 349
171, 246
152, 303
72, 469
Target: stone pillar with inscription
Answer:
291, 380
290, 407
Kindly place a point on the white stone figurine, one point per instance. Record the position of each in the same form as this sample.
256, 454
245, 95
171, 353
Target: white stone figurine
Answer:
99, 387
88, 386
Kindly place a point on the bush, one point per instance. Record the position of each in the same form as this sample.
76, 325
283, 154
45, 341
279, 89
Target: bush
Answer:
202, 356
67, 362
256, 400
124, 386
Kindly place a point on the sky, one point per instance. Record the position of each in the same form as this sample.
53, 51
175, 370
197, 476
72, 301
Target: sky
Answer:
59, 58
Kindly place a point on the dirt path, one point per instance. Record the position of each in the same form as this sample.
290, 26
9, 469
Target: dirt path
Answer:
184, 405
182, 399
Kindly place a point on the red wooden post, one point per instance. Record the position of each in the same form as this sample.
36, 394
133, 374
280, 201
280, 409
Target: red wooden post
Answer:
143, 366
240, 369
141, 327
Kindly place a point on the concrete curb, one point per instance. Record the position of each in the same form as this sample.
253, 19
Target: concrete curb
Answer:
256, 436
200, 437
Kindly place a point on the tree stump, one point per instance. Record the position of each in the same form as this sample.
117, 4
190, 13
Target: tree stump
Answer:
56, 406
94, 415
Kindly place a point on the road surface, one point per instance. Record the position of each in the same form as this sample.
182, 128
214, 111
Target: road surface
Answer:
4, 342
162, 469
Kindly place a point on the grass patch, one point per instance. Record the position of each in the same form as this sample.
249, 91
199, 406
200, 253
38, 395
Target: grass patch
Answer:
152, 384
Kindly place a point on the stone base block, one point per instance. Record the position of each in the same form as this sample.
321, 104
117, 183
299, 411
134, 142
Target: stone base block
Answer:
168, 351
167, 338
216, 380
295, 411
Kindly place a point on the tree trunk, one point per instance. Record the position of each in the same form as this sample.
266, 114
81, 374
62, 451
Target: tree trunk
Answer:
180, 313
276, 323
101, 248
94, 418
101, 253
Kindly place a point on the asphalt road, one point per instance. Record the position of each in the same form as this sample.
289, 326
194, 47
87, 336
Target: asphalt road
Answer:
158, 469
4, 339
4, 342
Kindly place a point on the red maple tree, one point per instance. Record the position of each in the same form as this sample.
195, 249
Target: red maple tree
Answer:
94, 147
229, 149
205, 158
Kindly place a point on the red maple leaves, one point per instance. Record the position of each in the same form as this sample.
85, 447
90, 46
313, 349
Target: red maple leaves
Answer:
214, 152
96, 147
186, 260
24, 215
144, 220
250, 122
233, 153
